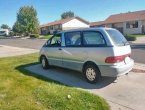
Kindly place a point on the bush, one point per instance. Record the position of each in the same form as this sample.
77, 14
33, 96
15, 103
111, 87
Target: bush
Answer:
12, 33
34, 36
130, 38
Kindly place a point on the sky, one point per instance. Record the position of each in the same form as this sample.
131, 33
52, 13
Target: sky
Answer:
51, 10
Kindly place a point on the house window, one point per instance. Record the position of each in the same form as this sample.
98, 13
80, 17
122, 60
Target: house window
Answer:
132, 24
51, 27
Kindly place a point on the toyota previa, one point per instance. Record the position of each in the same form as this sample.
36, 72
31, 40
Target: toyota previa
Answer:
94, 52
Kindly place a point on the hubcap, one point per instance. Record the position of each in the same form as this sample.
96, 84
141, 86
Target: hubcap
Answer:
43, 62
90, 74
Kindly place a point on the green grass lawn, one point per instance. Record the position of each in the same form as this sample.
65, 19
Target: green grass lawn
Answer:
46, 37
136, 35
133, 37
21, 90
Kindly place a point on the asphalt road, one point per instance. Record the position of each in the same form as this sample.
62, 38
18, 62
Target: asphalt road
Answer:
25, 43
138, 50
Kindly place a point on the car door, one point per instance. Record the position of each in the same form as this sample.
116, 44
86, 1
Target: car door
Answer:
54, 53
73, 54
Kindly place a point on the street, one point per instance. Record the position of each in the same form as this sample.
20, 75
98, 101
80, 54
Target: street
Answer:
138, 53
138, 50
24, 43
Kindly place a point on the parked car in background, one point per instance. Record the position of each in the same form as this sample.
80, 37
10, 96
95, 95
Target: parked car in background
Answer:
4, 32
95, 52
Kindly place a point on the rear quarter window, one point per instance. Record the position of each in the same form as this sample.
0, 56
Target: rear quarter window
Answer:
117, 37
92, 38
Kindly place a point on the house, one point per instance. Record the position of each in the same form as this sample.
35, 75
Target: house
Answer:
64, 24
127, 23
97, 24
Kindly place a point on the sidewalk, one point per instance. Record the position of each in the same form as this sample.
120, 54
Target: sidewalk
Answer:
139, 40
7, 51
139, 66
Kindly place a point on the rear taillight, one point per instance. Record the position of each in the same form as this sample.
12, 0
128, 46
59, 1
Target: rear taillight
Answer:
116, 59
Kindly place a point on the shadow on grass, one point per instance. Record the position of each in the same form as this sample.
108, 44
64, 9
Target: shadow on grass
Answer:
24, 71
62, 76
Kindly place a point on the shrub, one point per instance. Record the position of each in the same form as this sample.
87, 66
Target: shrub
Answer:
34, 36
11, 33
130, 38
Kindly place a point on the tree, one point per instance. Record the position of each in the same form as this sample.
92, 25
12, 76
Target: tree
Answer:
5, 26
27, 21
67, 14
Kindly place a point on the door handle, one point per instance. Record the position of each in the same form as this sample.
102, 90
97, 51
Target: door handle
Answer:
59, 49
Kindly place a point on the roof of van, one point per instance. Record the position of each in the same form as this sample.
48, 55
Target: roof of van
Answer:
87, 29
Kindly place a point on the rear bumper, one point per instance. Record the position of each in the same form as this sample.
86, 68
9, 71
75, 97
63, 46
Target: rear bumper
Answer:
114, 71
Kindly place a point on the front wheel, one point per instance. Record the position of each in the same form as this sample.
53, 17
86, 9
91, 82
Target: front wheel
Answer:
44, 62
92, 73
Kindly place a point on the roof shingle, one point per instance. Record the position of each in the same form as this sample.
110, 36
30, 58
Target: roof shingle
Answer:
122, 17
130, 16
97, 23
64, 21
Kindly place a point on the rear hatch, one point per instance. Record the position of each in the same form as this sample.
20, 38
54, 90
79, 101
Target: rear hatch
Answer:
121, 48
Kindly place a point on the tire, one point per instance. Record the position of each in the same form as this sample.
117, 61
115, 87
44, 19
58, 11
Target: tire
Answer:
92, 73
44, 62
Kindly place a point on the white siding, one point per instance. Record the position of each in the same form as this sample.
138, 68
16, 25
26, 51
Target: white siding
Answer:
143, 22
118, 25
133, 30
108, 25
74, 24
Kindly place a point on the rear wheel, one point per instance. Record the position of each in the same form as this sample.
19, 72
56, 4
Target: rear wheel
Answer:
44, 62
91, 73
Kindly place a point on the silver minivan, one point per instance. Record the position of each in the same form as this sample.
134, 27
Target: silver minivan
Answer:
95, 52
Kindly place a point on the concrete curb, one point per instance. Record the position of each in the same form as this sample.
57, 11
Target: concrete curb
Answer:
139, 66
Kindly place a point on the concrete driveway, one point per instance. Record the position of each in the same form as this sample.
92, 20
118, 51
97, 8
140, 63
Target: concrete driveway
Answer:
125, 93
7, 51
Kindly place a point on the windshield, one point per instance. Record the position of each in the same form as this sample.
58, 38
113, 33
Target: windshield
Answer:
117, 37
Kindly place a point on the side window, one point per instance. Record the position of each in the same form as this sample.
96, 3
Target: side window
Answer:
73, 39
55, 41
93, 38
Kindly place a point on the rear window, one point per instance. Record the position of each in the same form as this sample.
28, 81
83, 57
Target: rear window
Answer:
117, 37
